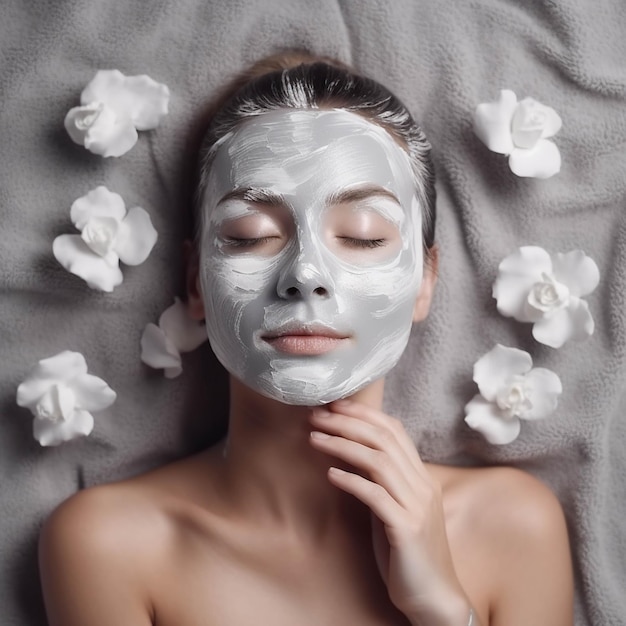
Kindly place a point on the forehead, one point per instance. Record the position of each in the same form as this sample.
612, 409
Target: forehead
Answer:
311, 152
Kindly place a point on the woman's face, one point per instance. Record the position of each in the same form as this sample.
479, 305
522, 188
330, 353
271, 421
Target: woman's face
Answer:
311, 254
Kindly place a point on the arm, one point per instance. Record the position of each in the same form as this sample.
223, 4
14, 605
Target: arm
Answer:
89, 564
408, 522
536, 582
517, 525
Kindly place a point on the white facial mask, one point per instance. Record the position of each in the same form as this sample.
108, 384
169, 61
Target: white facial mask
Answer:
287, 257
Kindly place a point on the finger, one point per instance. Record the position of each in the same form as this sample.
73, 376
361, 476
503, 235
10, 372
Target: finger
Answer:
373, 495
377, 464
363, 432
356, 429
381, 419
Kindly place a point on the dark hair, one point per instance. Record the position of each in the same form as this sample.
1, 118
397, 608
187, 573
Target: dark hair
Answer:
300, 81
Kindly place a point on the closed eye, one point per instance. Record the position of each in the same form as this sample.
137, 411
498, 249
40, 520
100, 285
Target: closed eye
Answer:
363, 243
237, 242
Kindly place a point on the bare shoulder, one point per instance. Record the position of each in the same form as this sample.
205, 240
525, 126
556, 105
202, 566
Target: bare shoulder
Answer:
507, 501
104, 518
101, 550
505, 507
517, 525
94, 559
125, 516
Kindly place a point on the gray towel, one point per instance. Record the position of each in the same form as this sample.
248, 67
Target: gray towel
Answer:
442, 58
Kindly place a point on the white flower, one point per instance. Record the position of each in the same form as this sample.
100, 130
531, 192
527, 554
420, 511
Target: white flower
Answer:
114, 107
547, 291
108, 235
60, 394
162, 345
510, 390
520, 130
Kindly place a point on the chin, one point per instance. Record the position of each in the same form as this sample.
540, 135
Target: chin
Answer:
308, 393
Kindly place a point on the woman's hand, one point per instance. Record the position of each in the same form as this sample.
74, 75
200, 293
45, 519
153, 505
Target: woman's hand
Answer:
408, 527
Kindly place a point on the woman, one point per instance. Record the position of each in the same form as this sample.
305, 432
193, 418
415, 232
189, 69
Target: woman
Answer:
315, 253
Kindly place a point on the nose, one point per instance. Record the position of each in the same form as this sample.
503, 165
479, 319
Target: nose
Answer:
305, 276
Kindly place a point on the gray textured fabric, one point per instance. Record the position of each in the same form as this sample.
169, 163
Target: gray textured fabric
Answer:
442, 57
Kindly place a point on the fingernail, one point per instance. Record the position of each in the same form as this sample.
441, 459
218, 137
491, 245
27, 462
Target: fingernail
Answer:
316, 434
336, 471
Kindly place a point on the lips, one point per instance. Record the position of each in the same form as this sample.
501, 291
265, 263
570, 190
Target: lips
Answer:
305, 340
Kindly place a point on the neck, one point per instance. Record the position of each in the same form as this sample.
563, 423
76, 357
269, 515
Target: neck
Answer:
274, 476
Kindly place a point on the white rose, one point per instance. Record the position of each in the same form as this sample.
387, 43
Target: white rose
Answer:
61, 396
520, 130
533, 286
530, 123
109, 235
162, 345
113, 108
510, 390
100, 234
548, 295
513, 398
97, 127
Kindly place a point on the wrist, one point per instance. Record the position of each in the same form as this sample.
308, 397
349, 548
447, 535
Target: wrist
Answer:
454, 611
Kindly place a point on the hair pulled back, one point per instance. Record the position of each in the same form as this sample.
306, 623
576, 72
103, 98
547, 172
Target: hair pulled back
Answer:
297, 80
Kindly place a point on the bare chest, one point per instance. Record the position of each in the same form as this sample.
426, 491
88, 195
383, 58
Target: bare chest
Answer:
225, 585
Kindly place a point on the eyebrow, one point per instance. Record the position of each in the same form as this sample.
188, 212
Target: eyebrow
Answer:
253, 194
361, 193
266, 196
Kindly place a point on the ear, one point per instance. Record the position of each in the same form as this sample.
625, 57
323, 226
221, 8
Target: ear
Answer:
427, 288
195, 301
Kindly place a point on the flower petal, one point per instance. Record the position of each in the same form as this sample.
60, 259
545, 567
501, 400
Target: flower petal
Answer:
79, 120
583, 324
62, 366
111, 137
58, 368
99, 202
76, 257
553, 121
576, 270
92, 393
31, 390
103, 87
517, 273
136, 237
492, 122
157, 350
172, 372
49, 433
140, 98
555, 330
545, 389
526, 126
148, 101
542, 161
185, 333
533, 121
573, 322
494, 369
485, 417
